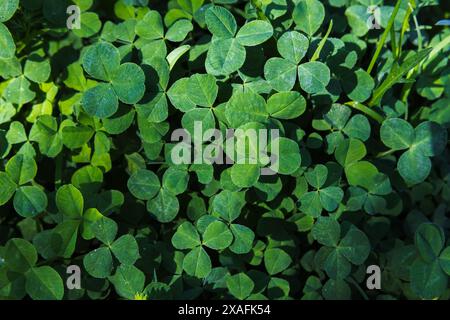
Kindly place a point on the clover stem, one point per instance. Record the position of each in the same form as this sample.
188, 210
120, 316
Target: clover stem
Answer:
384, 36
385, 153
58, 171
322, 42
405, 25
368, 111
358, 287
257, 5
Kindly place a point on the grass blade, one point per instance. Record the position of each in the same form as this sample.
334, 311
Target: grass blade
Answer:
384, 36
396, 73
322, 43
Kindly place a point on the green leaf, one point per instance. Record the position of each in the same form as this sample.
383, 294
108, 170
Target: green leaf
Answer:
429, 240
6, 40
240, 285
99, 263
336, 290
44, 283
201, 115
76, 136
397, 134
186, 237
125, 249
37, 69
358, 127
243, 239
128, 281
29, 201
308, 15
21, 169
164, 207
357, 17
64, 238
217, 236
105, 230
7, 9
311, 204
293, 46
197, 263
287, 157
428, 281
254, 33
313, 76
430, 139
100, 101
179, 95
152, 18
327, 231
224, 57
179, 30
276, 261
355, 246
413, 166
90, 25
8, 188
176, 54
243, 108
361, 174
18, 90
220, 22
280, 73
317, 176
128, 83
359, 89
444, 260
228, 204
286, 105
350, 151
101, 60
19, 255
337, 116
245, 175
337, 265
202, 90
144, 184
70, 202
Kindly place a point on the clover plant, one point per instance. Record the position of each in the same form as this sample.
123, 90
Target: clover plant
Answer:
354, 98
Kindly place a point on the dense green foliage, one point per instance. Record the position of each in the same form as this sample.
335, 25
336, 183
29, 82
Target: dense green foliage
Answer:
86, 177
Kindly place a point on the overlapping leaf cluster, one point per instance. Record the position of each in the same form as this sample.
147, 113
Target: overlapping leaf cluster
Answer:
86, 177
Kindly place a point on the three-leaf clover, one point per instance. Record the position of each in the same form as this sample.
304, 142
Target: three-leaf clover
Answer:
427, 140
124, 82
99, 262
226, 53
337, 254
324, 197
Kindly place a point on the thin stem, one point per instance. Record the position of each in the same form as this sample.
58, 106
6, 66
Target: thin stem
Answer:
384, 36
58, 171
357, 286
322, 43
394, 44
419, 34
405, 25
385, 153
368, 111
259, 11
